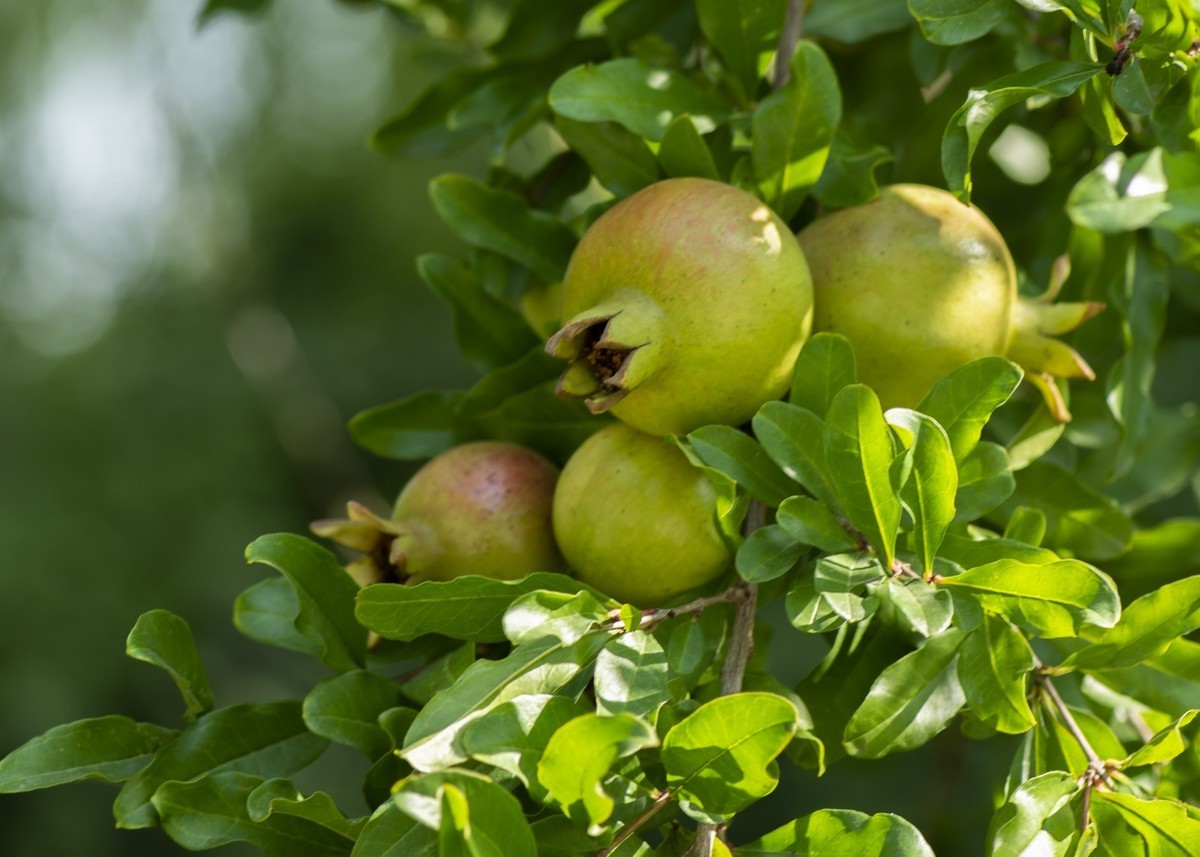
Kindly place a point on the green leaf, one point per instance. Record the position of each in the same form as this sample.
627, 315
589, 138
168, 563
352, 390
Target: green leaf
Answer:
580, 755
1155, 188
834, 594
855, 21
421, 129
1037, 819
324, 593
1167, 682
346, 709
841, 833
562, 615
536, 30
110, 748
267, 612
793, 130
992, 668
262, 739
1079, 518
985, 480
513, 736
683, 151
232, 806
737, 455
1165, 745
620, 159
470, 607
1131, 826
419, 426
1146, 628
720, 758
437, 675
489, 332
1026, 525
859, 452
970, 552
391, 833
825, 367
927, 609
544, 666
928, 494
807, 521
1054, 599
794, 439
952, 22
743, 32
964, 400
500, 221
910, 702
767, 553
638, 96
849, 175
631, 676
474, 816
1056, 79
165, 640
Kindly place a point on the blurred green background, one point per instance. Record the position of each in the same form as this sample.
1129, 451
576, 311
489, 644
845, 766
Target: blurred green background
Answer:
203, 274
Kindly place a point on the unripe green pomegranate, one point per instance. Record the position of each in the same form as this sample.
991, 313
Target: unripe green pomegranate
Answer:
683, 305
920, 284
480, 508
636, 520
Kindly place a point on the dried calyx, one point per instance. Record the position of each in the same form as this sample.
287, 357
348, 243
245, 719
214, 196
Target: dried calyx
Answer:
385, 544
610, 350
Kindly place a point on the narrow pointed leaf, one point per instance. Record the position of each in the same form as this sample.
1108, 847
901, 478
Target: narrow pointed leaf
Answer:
1146, 628
992, 667
737, 455
928, 494
825, 366
809, 522
859, 452
964, 400
1037, 819
683, 151
794, 438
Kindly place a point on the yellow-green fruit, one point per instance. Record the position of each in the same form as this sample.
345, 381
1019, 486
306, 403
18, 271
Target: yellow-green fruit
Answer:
636, 520
480, 508
921, 284
917, 281
683, 305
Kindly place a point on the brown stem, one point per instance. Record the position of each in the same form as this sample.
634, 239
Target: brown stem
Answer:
651, 619
1096, 766
793, 29
635, 825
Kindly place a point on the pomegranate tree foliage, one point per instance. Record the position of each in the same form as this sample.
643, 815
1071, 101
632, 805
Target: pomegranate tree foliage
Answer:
957, 563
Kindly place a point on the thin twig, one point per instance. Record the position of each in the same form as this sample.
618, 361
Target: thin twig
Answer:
793, 29
651, 619
1095, 763
635, 825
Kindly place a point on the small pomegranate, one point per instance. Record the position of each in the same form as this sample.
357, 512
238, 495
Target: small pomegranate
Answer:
480, 508
636, 520
920, 284
683, 305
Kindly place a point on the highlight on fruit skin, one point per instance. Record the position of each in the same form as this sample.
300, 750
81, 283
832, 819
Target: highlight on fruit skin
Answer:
683, 305
636, 520
479, 508
921, 284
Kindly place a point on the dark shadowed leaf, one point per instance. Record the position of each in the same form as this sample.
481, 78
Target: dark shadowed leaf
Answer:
737, 455
683, 151
346, 709
620, 159
1079, 518
267, 612
262, 739
769, 552
500, 221
809, 522
952, 22
984, 482
743, 32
